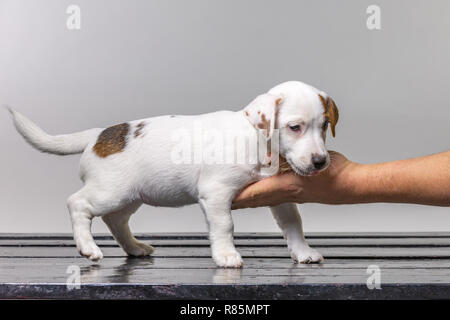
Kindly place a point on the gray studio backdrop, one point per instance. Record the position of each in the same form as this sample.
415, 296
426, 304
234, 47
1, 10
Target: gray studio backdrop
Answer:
136, 59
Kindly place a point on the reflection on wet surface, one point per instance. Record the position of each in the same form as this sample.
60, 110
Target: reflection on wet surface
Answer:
226, 276
132, 268
120, 273
149, 270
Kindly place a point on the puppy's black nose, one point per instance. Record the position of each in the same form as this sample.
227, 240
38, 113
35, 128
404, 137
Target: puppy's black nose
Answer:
318, 161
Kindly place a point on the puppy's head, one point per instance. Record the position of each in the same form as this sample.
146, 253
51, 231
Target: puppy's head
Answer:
302, 114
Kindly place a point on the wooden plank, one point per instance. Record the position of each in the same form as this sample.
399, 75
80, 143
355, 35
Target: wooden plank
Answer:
233, 292
238, 235
207, 263
335, 252
358, 242
336, 291
227, 276
162, 271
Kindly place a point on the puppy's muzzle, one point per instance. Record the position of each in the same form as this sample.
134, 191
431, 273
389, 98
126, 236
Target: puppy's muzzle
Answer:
318, 161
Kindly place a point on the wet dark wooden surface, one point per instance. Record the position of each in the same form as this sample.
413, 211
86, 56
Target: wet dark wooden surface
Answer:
413, 266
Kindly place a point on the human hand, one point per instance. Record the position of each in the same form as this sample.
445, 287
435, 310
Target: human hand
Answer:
326, 187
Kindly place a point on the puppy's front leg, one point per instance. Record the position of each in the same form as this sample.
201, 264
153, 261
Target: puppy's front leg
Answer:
218, 216
290, 222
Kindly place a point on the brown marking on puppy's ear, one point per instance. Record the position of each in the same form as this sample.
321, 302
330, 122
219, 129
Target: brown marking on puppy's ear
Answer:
262, 112
331, 112
279, 100
139, 127
112, 140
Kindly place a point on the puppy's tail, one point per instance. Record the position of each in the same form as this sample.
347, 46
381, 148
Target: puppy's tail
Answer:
63, 144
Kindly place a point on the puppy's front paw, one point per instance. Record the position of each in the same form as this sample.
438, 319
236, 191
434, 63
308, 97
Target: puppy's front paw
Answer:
306, 255
230, 259
92, 252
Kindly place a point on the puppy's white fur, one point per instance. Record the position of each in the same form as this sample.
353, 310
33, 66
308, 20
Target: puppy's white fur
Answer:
143, 172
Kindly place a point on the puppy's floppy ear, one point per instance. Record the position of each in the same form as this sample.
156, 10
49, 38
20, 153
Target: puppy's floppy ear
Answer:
331, 112
262, 112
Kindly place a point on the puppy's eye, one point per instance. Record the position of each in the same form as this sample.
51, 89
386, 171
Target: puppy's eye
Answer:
325, 125
295, 128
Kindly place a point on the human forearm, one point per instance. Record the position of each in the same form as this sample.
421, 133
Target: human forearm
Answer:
423, 180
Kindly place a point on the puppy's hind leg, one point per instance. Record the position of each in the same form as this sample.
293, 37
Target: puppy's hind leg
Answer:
117, 223
81, 215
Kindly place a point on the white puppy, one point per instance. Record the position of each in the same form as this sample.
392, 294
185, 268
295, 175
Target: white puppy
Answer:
133, 163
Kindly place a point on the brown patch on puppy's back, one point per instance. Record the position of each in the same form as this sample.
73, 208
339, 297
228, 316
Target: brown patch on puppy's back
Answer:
112, 140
